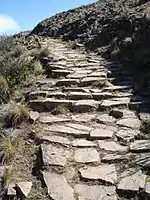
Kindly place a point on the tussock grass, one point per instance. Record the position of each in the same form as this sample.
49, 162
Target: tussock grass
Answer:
17, 113
8, 148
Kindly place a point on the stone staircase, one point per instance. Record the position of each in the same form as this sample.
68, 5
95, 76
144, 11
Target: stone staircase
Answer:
90, 133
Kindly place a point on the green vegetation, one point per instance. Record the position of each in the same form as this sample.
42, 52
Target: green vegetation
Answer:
17, 113
8, 148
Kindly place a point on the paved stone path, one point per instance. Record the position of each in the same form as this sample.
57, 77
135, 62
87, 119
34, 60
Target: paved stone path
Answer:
90, 136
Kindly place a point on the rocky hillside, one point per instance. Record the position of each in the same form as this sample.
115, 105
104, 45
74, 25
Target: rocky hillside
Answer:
116, 29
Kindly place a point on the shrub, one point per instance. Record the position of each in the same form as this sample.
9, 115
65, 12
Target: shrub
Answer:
38, 68
17, 113
8, 148
45, 52
4, 89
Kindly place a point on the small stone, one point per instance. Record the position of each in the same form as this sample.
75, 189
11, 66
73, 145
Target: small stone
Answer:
52, 155
105, 119
79, 127
140, 146
85, 105
101, 133
58, 188
95, 192
86, 155
52, 119
11, 191
111, 146
147, 188
127, 135
83, 143
105, 173
66, 130
34, 115
24, 188
132, 181
56, 139
130, 123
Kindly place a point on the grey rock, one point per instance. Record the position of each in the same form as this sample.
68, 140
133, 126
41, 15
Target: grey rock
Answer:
67, 82
95, 192
101, 133
114, 158
11, 191
147, 188
34, 115
111, 146
132, 180
66, 129
52, 119
140, 146
58, 188
79, 95
83, 143
52, 155
24, 188
55, 139
105, 173
127, 134
85, 105
130, 123
86, 155
106, 119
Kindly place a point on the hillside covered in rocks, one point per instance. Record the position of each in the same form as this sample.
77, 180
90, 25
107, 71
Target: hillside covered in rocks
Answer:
74, 106
116, 29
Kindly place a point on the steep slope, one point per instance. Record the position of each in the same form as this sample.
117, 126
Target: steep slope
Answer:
115, 29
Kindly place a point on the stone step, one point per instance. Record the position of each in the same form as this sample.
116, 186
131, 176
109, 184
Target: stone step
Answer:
60, 73
49, 104
117, 88
76, 89
79, 96
67, 82
114, 102
91, 80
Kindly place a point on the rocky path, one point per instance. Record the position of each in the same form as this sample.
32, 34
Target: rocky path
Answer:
90, 133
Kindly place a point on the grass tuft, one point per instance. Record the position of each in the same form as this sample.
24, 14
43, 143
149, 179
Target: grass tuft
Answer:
17, 113
8, 148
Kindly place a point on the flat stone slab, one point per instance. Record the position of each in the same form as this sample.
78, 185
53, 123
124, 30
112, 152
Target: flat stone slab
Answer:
90, 80
79, 126
126, 134
58, 188
111, 146
147, 188
98, 74
85, 105
52, 119
106, 173
115, 103
100, 133
60, 72
86, 155
104, 126
83, 143
114, 158
79, 95
67, 130
105, 118
130, 123
117, 88
96, 192
140, 146
56, 139
52, 155
75, 89
132, 180
24, 188
67, 82
83, 117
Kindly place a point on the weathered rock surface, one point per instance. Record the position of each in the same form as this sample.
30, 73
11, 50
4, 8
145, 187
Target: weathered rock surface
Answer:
58, 188
101, 133
111, 146
105, 173
95, 192
86, 155
24, 188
